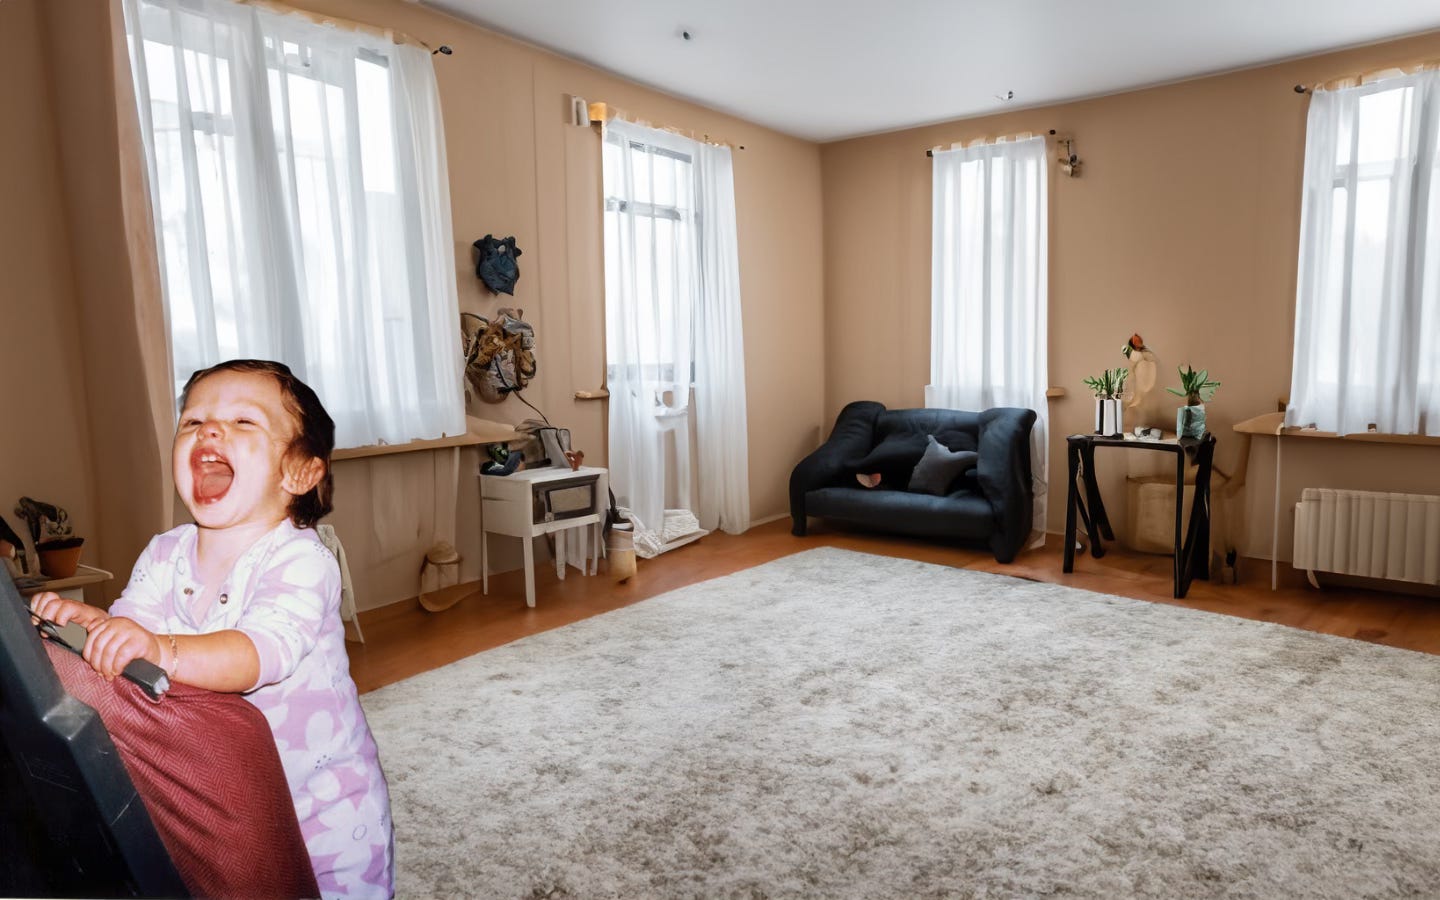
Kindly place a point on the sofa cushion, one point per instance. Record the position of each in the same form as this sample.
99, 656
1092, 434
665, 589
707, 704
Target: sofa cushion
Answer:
958, 440
939, 422
894, 458
939, 467
964, 515
955, 429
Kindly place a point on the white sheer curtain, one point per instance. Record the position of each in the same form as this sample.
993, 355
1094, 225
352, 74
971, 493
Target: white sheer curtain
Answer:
672, 316
720, 427
989, 287
301, 196
1367, 306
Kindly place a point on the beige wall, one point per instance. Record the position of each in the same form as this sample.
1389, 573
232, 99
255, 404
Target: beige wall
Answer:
113, 295
78, 427
516, 167
1183, 227
45, 451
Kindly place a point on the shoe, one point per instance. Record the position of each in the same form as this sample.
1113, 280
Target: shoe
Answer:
512, 462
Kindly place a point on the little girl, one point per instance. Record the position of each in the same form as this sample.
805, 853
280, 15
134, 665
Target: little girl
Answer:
247, 600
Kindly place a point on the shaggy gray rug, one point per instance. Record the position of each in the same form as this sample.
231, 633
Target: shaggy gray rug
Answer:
834, 724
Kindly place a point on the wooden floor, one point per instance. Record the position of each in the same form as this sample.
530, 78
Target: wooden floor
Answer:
402, 639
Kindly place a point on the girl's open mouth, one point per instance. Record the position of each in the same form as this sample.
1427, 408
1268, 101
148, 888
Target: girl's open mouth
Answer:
211, 473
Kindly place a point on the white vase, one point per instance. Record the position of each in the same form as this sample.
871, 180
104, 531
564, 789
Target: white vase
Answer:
1109, 417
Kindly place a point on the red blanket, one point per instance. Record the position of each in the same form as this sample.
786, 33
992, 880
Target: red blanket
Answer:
206, 766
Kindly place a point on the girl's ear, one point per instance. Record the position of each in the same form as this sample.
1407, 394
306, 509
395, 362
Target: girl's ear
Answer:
301, 474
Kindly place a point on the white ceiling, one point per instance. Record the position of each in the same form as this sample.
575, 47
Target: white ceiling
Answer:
831, 69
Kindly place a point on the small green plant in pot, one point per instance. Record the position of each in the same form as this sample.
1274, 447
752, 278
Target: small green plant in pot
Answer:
1108, 388
1197, 389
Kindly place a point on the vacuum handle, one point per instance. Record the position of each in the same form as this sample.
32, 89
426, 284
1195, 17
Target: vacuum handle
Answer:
150, 677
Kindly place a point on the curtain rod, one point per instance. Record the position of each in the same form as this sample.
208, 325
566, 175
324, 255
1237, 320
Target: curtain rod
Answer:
1369, 75
398, 37
1004, 137
601, 112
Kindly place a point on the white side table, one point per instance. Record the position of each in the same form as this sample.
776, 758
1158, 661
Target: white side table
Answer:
533, 502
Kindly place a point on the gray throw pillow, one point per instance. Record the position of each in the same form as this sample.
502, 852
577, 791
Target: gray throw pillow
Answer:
939, 468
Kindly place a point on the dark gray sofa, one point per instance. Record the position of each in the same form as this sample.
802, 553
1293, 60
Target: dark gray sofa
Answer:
991, 505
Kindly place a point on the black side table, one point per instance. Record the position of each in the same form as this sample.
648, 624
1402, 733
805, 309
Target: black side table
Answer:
1192, 544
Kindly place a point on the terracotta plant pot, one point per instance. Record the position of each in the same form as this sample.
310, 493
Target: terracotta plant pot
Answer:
59, 558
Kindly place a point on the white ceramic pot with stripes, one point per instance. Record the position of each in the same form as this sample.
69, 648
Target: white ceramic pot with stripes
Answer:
1109, 417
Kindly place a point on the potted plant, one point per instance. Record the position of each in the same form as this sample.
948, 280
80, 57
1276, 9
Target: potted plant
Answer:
50, 533
1197, 389
1109, 418
59, 557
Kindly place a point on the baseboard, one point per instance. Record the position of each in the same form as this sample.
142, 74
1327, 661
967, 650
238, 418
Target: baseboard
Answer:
1339, 580
373, 615
756, 523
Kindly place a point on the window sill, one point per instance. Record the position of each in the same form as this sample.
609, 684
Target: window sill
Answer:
478, 431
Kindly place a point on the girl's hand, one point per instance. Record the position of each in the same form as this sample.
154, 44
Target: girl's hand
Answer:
50, 605
117, 641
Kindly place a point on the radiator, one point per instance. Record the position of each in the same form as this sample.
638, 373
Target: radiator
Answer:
1368, 533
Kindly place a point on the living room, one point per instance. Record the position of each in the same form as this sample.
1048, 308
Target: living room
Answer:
1183, 225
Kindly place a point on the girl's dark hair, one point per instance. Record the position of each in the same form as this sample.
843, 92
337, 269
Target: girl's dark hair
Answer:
315, 438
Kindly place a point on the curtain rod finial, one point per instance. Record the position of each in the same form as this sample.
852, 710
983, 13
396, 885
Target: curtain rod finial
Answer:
1301, 89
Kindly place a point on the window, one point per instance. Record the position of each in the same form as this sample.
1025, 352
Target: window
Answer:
297, 175
651, 245
989, 287
675, 356
1367, 324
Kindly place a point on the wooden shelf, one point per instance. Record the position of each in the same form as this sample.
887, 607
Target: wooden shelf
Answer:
1274, 424
478, 431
